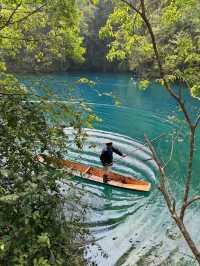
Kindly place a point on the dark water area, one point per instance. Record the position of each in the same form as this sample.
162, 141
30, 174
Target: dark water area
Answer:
132, 228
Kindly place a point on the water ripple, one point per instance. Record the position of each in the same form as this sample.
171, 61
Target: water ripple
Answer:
134, 164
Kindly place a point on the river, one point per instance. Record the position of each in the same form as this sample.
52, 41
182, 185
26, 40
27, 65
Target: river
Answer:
132, 228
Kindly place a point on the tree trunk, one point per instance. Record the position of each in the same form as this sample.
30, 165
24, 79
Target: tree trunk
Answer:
187, 237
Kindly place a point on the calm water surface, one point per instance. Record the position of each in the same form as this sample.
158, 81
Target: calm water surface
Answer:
130, 225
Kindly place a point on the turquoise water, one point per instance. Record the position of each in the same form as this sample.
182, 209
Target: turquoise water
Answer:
129, 225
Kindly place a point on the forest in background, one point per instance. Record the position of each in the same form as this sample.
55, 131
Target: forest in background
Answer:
92, 18
94, 22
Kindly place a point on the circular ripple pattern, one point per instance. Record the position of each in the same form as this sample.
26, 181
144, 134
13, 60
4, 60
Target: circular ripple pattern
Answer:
111, 211
126, 225
135, 164
132, 228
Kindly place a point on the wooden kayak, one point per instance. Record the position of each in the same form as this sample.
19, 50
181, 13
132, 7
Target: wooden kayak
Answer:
96, 174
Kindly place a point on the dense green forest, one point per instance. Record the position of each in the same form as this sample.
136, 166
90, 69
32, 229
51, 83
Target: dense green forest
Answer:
90, 18
103, 49
87, 19
157, 40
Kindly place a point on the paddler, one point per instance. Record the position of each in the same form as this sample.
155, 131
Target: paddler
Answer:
106, 158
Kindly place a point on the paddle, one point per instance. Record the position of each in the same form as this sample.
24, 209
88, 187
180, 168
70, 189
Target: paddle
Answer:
122, 157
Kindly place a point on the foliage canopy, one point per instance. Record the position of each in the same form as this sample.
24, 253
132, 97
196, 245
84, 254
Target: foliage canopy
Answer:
176, 27
34, 229
40, 32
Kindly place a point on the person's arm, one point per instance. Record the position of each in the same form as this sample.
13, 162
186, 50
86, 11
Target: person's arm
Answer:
115, 150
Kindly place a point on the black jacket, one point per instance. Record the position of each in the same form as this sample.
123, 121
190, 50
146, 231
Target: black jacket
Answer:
106, 156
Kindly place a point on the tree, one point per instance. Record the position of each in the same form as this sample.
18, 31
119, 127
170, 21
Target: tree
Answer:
33, 226
34, 229
165, 36
39, 34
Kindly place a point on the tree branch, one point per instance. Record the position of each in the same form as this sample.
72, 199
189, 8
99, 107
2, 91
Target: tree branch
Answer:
170, 202
12, 94
158, 59
189, 172
132, 6
197, 121
179, 101
30, 14
171, 153
8, 22
25, 39
192, 200
162, 187
172, 93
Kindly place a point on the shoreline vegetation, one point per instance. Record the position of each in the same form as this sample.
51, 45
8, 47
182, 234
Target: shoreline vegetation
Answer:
33, 225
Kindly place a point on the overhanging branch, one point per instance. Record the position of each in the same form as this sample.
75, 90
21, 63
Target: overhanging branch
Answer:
162, 186
192, 200
197, 121
9, 22
131, 6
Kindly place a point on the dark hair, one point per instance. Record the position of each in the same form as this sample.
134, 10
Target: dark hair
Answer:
109, 143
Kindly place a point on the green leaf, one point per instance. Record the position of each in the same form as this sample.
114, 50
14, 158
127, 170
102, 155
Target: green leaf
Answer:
195, 91
94, 2
9, 198
143, 85
44, 240
86, 81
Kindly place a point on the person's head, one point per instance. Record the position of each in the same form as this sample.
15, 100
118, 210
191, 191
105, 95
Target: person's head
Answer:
109, 144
